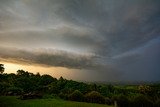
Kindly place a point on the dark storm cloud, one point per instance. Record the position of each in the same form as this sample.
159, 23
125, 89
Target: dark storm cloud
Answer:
48, 57
142, 62
62, 37
115, 31
119, 22
112, 24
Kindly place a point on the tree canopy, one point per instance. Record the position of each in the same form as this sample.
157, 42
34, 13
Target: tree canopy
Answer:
26, 83
1, 68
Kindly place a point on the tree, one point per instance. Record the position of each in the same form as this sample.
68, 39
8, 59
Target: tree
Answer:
142, 101
95, 97
93, 87
121, 100
14, 91
145, 89
23, 73
25, 83
157, 103
53, 88
46, 80
1, 68
76, 96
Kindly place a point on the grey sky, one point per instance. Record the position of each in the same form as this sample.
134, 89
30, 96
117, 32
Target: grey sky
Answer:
118, 40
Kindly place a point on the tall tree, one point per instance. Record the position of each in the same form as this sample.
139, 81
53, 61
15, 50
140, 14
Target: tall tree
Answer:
1, 68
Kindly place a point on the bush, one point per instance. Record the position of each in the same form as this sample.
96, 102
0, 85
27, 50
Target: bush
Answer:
142, 101
14, 91
76, 96
145, 89
3, 87
47, 96
122, 101
157, 104
31, 96
63, 96
108, 101
95, 97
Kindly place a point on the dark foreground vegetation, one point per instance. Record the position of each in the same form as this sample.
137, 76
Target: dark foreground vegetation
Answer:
35, 86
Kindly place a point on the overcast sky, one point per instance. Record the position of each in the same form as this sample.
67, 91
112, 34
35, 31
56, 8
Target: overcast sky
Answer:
105, 40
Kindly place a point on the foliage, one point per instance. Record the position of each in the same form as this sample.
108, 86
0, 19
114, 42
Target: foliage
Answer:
108, 101
95, 97
52, 88
76, 96
48, 96
14, 91
122, 100
157, 104
63, 96
145, 89
24, 82
1, 68
106, 90
46, 80
3, 87
141, 101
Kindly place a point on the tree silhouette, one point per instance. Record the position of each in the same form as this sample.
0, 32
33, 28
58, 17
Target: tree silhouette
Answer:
31, 86
1, 68
76, 96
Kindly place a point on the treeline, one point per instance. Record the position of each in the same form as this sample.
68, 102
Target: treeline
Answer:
24, 83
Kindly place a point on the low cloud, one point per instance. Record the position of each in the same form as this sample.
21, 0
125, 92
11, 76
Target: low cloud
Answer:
48, 57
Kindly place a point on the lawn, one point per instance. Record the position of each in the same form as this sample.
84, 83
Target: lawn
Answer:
12, 101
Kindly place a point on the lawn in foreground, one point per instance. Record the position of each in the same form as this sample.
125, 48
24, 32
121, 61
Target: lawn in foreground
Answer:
12, 101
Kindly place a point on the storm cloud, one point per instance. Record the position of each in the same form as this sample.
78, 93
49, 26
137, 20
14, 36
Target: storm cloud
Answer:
48, 57
114, 38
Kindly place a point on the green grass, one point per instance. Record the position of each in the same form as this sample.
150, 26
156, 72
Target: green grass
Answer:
12, 101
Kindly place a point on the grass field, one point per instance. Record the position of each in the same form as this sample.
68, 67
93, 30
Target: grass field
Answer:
12, 101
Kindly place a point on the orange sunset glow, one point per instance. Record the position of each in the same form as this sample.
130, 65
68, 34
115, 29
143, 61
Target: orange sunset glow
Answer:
53, 71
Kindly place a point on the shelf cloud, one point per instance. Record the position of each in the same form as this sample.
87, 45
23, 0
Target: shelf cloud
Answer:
114, 38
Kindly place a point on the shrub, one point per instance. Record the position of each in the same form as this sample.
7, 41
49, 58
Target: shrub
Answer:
95, 97
145, 89
122, 100
157, 104
46, 80
47, 96
14, 91
31, 96
52, 88
76, 96
142, 101
63, 96
3, 87
108, 101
